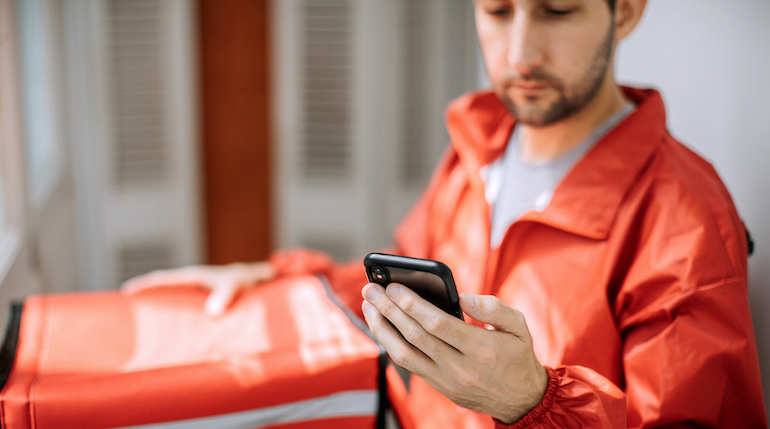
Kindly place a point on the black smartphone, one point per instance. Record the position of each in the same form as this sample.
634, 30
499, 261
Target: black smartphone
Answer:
432, 280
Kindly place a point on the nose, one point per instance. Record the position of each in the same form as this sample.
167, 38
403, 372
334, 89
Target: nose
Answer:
525, 51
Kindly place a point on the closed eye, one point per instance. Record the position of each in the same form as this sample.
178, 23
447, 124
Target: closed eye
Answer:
501, 12
559, 12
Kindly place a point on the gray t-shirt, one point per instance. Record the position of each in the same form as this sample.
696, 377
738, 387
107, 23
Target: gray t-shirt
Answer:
515, 186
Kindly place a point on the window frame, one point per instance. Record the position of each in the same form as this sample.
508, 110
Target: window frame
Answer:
39, 55
18, 276
12, 168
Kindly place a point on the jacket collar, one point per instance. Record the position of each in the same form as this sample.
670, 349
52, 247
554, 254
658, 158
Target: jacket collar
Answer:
587, 200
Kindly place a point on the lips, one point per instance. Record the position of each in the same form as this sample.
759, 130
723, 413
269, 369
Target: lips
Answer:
529, 88
530, 85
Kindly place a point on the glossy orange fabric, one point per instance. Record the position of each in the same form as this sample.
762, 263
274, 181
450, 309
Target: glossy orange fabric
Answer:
109, 359
632, 280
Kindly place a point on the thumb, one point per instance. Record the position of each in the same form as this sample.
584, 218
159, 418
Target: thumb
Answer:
490, 310
151, 280
220, 298
134, 285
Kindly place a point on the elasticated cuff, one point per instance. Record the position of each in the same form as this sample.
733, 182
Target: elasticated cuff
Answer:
536, 413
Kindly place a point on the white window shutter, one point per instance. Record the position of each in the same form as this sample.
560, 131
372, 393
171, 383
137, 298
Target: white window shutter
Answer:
327, 39
136, 38
141, 147
360, 91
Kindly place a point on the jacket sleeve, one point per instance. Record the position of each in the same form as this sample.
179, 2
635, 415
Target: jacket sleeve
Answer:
689, 351
689, 357
689, 360
576, 397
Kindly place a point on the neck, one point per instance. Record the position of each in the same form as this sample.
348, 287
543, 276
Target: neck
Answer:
545, 143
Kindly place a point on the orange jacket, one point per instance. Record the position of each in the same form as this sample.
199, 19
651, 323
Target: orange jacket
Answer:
632, 280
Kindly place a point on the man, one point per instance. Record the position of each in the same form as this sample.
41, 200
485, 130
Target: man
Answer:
603, 264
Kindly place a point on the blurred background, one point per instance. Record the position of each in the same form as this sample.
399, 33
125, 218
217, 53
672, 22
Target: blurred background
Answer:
146, 134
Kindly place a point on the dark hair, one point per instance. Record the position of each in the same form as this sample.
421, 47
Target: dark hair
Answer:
611, 3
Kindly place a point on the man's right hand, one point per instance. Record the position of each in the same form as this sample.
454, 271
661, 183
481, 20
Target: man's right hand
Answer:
224, 281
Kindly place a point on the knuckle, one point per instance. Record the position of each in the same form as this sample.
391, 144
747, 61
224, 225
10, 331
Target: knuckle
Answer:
401, 358
496, 306
520, 319
437, 325
407, 303
415, 336
387, 308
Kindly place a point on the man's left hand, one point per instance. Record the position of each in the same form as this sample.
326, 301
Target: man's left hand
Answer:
493, 370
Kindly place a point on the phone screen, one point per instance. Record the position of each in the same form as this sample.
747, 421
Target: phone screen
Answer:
427, 285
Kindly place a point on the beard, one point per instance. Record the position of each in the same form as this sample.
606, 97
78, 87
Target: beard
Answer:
571, 98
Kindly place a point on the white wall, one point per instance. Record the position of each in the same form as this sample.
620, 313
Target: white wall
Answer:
711, 61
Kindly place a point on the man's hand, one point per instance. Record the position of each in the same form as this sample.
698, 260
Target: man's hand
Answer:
224, 282
493, 371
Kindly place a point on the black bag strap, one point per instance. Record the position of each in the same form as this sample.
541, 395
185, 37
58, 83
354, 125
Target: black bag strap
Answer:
384, 403
10, 343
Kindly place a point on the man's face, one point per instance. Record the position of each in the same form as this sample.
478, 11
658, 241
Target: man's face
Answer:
546, 59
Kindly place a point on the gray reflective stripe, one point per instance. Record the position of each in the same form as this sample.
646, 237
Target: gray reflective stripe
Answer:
345, 404
383, 403
354, 319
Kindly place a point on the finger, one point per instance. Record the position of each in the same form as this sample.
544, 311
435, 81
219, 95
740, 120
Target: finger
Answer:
263, 271
414, 332
400, 351
375, 295
435, 321
164, 278
221, 296
249, 274
490, 310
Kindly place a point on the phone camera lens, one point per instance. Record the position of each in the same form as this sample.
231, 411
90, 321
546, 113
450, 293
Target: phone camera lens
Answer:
379, 273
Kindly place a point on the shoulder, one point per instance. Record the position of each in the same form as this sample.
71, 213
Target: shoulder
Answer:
686, 215
688, 183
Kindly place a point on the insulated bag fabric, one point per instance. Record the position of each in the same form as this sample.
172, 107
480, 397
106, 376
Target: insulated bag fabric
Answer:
285, 355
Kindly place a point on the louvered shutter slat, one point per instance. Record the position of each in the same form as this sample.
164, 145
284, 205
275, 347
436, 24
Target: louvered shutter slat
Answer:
326, 146
140, 128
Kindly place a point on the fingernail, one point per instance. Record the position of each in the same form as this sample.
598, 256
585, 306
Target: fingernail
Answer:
372, 293
368, 310
393, 290
472, 300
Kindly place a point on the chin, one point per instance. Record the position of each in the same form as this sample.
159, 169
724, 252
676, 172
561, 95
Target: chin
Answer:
529, 112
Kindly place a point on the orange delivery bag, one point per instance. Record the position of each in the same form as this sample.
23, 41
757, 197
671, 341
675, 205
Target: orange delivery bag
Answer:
285, 355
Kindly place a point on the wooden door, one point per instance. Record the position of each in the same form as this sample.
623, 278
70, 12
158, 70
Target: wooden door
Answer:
235, 114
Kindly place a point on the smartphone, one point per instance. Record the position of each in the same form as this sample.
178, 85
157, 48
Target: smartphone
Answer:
432, 280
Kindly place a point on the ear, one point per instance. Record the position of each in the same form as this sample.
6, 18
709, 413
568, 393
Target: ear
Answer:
627, 16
